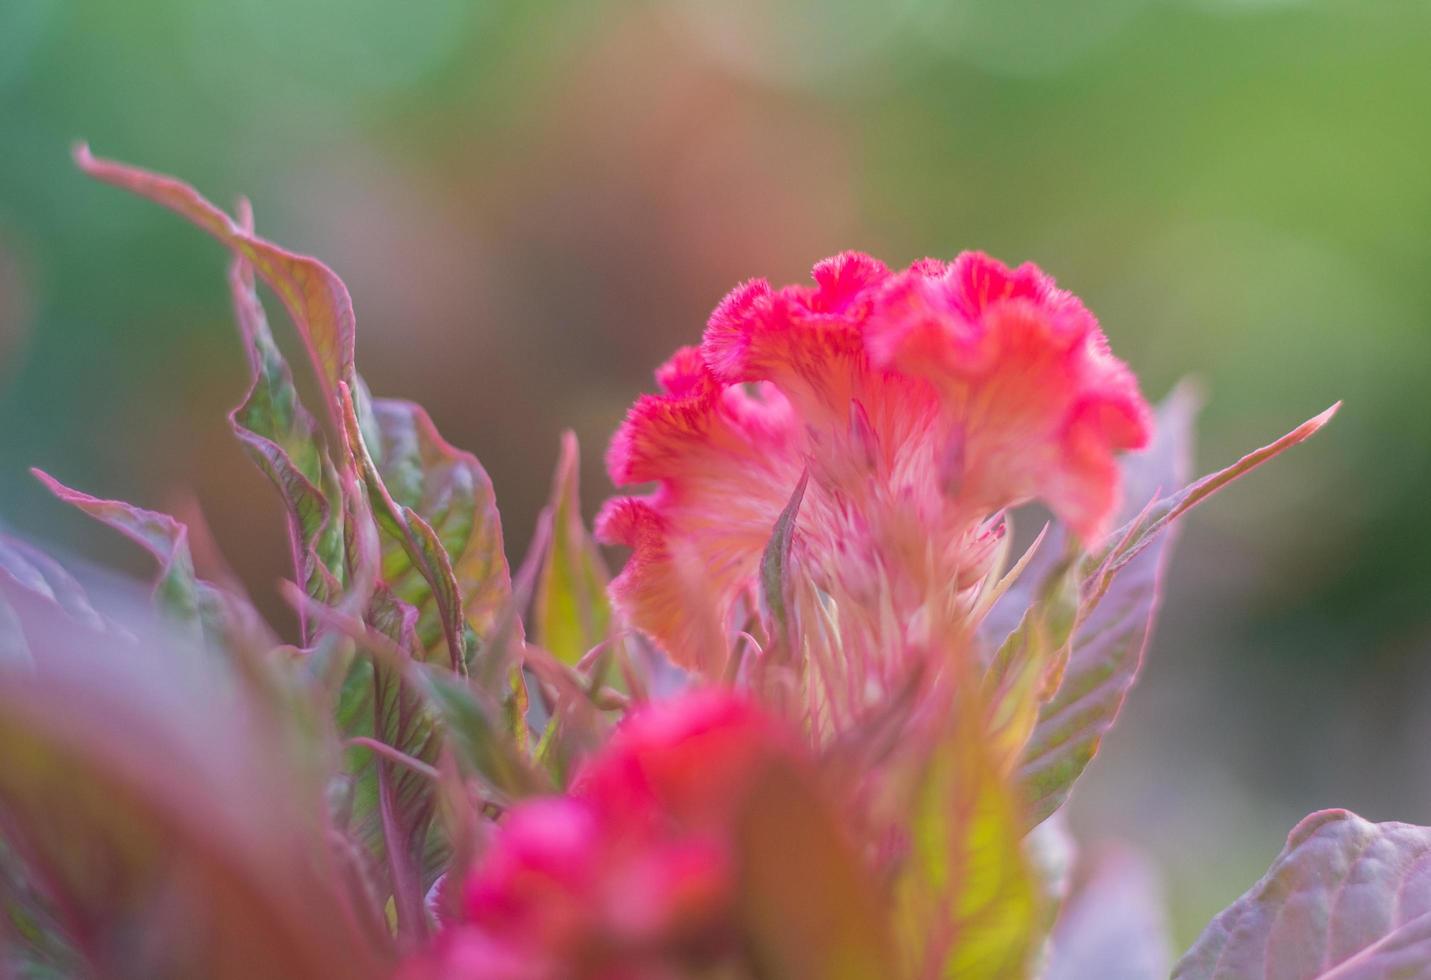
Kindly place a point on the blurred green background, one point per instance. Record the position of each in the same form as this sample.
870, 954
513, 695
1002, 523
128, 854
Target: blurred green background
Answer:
534, 203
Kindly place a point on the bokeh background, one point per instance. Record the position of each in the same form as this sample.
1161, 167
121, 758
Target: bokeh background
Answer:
533, 203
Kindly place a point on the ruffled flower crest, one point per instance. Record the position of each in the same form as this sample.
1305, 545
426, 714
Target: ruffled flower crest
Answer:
921, 403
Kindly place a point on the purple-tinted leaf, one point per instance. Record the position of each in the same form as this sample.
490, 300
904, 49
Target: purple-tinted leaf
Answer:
1121, 589
40, 573
166, 804
1114, 927
450, 491
384, 801
573, 614
405, 800
1108, 642
28, 568
421, 573
1345, 899
1131, 540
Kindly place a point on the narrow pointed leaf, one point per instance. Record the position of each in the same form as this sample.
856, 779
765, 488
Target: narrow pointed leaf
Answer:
573, 614
1028, 666
1172, 507
775, 584
481, 742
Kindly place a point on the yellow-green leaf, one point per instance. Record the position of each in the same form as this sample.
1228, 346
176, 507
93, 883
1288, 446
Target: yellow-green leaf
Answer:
967, 902
572, 612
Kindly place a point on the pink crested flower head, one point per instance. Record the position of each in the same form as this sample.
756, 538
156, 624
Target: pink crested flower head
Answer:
632, 873
688, 760
919, 403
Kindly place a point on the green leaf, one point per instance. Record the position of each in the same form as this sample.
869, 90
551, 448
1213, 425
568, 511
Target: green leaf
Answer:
967, 901
403, 802
451, 492
442, 542
775, 584
573, 614
272, 425
1028, 667
481, 741
1345, 900
1108, 642
285, 442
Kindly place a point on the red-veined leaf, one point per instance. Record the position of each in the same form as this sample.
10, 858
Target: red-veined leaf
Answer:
286, 442
443, 548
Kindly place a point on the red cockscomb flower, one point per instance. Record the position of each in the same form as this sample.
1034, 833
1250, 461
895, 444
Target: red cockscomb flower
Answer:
921, 403
632, 873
